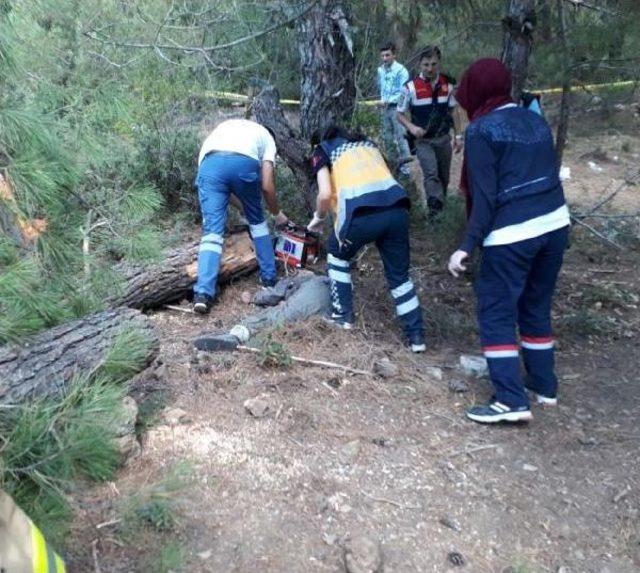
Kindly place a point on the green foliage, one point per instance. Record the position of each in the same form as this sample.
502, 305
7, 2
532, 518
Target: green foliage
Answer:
444, 232
156, 505
47, 445
170, 559
127, 356
273, 354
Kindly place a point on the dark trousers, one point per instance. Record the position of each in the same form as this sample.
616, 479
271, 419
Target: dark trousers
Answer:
515, 287
388, 229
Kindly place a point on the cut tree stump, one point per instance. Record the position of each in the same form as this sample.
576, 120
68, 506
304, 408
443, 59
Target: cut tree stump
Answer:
154, 285
45, 363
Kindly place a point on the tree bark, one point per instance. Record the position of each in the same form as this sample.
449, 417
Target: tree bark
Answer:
518, 26
327, 67
154, 285
296, 152
565, 102
45, 364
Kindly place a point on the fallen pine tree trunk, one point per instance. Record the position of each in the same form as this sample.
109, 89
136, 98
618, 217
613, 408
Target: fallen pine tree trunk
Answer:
45, 363
154, 285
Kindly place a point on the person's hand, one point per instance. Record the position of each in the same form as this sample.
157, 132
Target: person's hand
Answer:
316, 224
417, 132
455, 265
281, 220
458, 144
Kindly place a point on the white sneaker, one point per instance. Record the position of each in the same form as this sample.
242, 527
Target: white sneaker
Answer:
545, 400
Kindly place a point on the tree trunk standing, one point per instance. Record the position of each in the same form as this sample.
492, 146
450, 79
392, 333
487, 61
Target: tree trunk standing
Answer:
327, 89
518, 26
49, 360
268, 111
327, 67
565, 102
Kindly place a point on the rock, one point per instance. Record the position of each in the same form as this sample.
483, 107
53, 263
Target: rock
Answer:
362, 555
329, 538
204, 555
459, 386
529, 468
594, 167
474, 365
385, 368
174, 416
349, 452
450, 522
127, 423
128, 448
456, 558
246, 297
259, 406
435, 372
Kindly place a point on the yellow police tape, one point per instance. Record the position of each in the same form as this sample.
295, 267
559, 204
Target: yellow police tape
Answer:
372, 102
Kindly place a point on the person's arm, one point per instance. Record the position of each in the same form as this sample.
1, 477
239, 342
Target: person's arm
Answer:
269, 193
269, 187
483, 180
323, 200
402, 114
456, 114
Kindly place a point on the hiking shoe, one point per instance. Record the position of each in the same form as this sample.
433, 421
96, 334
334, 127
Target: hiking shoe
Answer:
202, 303
498, 412
269, 283
417, 343
338, 320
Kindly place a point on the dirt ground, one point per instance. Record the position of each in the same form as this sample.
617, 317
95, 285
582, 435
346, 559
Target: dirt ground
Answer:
338, 456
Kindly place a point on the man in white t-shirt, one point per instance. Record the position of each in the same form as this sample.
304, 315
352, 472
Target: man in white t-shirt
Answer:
238, 157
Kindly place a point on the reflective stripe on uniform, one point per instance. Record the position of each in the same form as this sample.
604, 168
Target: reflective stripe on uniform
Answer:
339, 276
336, 262
407, 307
210, 248
401, 290
212, 238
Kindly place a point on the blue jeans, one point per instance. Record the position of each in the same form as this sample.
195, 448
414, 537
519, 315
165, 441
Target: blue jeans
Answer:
221, 174
515, 287
389, 230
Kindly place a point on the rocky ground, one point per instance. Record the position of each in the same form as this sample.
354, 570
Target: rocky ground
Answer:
330, 471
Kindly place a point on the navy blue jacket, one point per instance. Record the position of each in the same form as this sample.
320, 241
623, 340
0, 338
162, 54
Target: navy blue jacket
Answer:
513, 176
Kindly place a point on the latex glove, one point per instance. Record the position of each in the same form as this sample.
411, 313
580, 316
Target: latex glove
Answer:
455, 265
316, 224
281, 220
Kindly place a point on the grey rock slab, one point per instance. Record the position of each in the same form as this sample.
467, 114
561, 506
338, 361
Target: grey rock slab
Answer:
362, 554
259, 406
474, 365
385, 368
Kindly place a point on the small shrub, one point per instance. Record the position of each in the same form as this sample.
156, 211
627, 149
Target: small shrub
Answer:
156, 505
170, 559
273, 354
46, 445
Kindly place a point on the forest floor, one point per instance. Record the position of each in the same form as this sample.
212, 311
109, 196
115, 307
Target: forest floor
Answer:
393, 459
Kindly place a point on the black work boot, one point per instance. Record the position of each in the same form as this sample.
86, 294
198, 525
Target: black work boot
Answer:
202, 303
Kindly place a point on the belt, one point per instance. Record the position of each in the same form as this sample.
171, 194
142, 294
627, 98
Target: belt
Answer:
225, 154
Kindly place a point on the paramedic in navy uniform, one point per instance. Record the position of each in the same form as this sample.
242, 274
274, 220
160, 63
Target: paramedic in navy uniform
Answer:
237, 158
367, 206
520, 219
